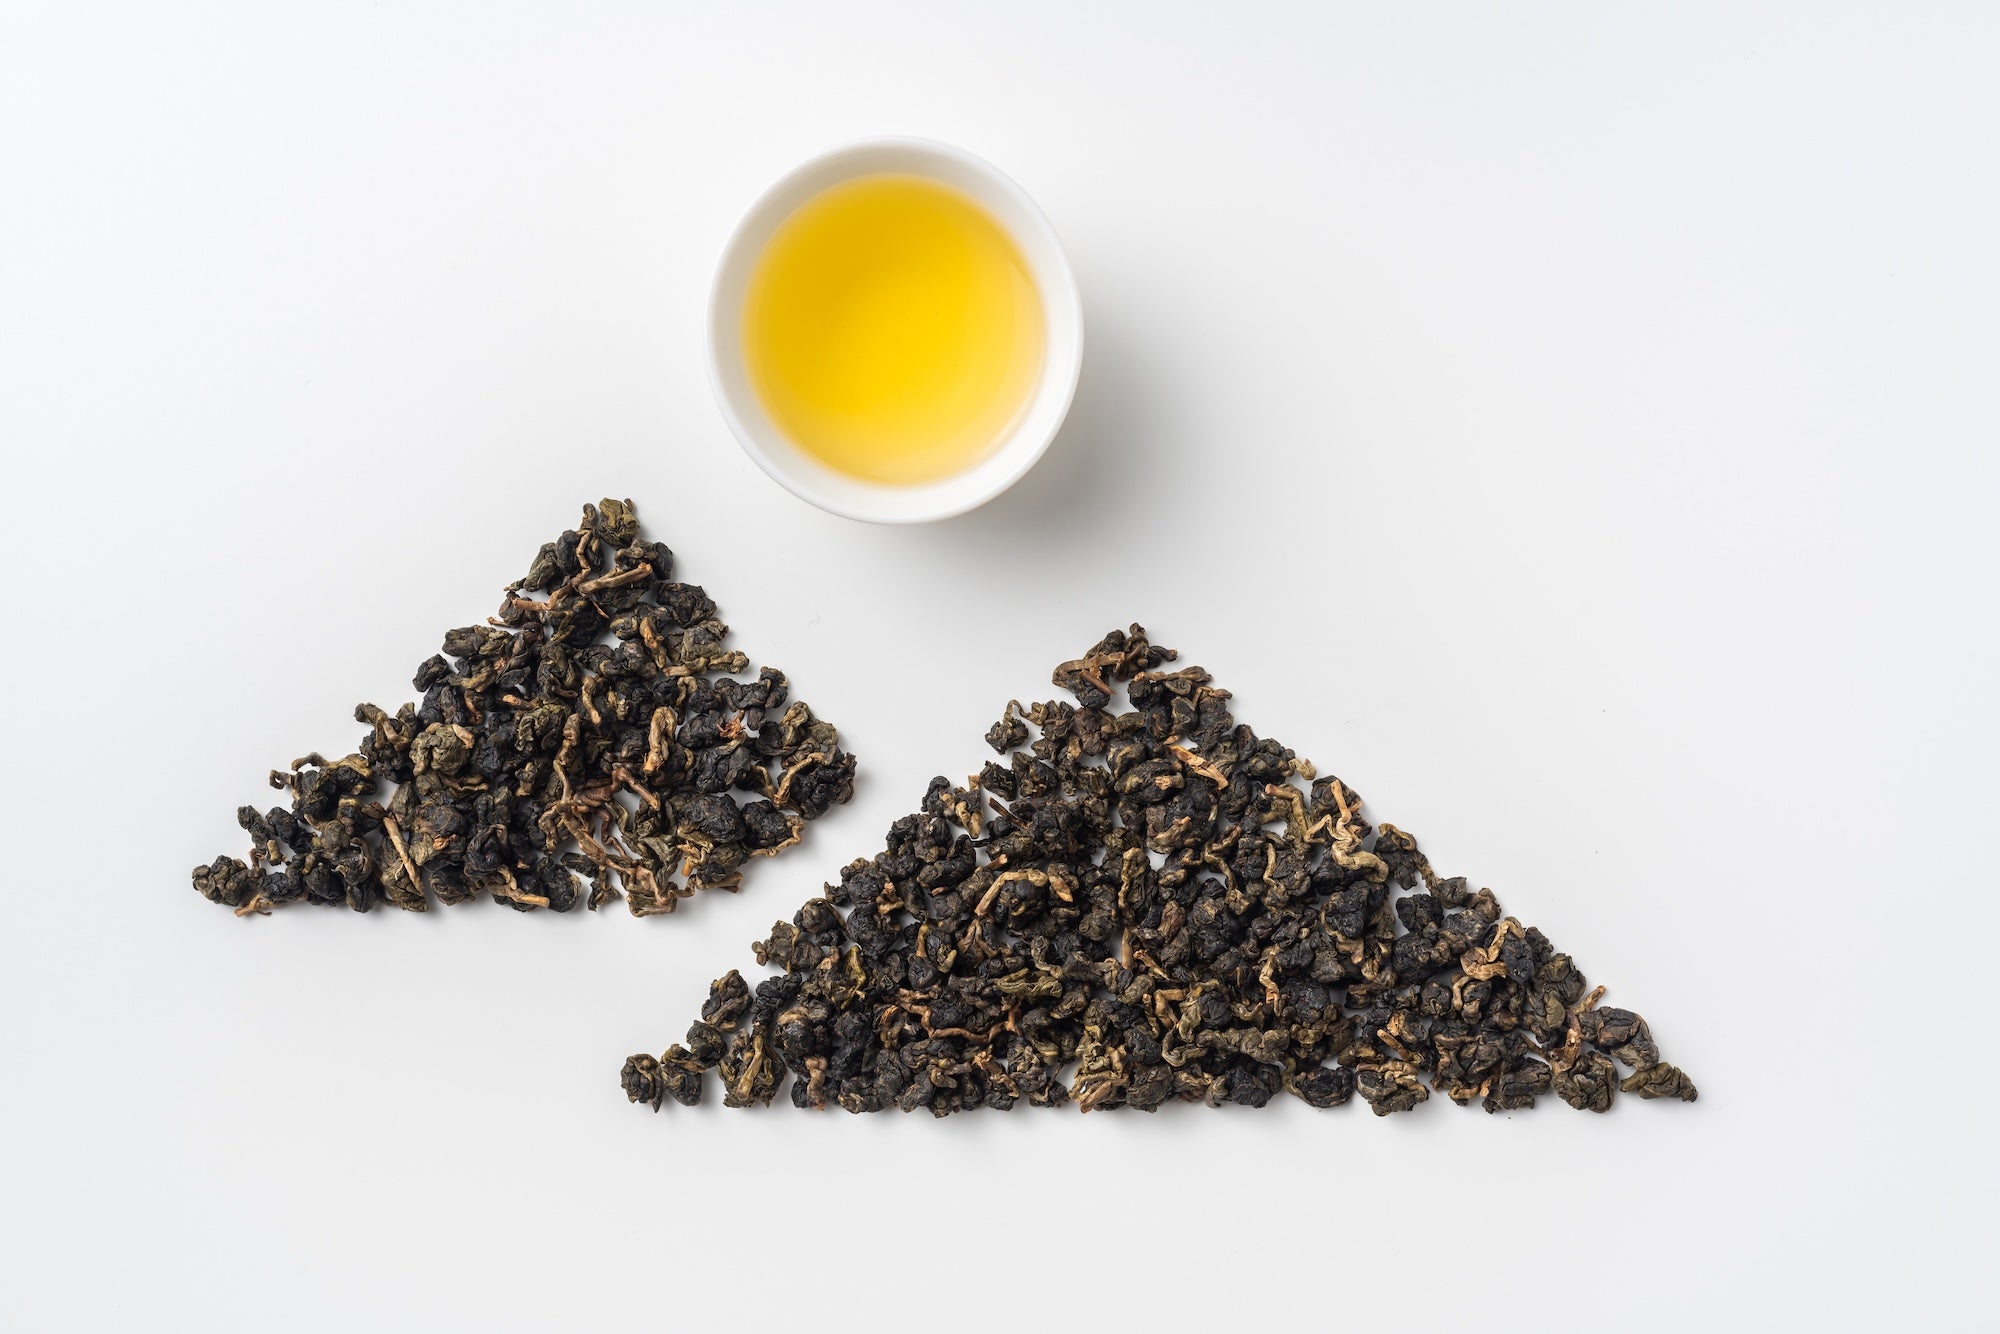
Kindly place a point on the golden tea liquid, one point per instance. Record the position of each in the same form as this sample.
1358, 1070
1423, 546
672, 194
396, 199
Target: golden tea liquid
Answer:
892, 329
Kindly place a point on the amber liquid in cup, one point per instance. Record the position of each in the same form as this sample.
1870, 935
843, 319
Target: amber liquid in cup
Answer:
892, 330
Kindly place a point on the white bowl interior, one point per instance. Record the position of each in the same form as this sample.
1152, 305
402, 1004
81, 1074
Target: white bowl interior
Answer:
1032, 430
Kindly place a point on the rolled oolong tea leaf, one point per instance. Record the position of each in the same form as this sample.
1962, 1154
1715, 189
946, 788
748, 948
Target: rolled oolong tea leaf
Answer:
592, 739
1145, 905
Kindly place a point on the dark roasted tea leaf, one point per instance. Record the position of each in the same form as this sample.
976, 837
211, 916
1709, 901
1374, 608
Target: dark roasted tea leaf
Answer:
592, 739
1144, 905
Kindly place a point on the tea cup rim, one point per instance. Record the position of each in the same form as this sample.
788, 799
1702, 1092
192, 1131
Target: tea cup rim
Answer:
1032, 430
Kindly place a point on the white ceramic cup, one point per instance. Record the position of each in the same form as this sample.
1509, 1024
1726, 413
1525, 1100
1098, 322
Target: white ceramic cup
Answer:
1033, 428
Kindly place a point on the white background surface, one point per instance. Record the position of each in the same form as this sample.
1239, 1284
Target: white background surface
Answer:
1573, 425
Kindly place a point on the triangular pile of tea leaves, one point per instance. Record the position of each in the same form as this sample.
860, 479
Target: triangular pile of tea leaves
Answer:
1148, 905
593, 728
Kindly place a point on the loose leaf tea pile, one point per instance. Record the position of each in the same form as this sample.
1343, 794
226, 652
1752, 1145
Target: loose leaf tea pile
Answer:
1148, 905
592, 729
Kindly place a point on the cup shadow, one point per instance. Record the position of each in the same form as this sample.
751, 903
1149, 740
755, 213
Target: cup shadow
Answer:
1075, 480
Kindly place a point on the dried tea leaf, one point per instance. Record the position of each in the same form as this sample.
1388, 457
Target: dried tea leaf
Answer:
594, 728
1146, 905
